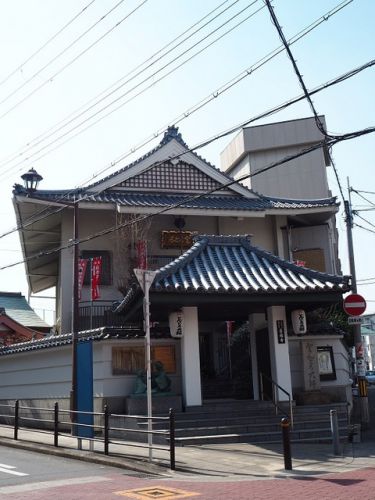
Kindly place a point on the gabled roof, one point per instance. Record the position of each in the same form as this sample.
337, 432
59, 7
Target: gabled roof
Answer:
213, 201
219, 265
17, 308
66, 339
15, 332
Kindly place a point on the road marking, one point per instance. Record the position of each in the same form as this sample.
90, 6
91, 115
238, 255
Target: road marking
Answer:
43, 485
8, 470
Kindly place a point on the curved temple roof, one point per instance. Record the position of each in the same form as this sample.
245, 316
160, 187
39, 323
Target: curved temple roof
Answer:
231, 265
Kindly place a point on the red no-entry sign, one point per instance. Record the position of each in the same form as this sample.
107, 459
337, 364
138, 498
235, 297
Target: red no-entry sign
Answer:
354, 305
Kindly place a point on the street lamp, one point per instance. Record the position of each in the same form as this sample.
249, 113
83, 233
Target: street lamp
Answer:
31, 181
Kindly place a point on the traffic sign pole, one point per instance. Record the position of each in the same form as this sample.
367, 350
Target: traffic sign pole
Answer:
360, 362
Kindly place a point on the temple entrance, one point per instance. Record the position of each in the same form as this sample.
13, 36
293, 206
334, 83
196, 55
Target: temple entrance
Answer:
225, 361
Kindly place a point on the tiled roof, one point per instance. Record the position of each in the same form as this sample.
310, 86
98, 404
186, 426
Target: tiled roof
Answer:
17, 308
229, 264
66, 339
217, 202
170, 134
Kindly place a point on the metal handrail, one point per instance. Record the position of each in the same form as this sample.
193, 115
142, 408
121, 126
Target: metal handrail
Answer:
275, 397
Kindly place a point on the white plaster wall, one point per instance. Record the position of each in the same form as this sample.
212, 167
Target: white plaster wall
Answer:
314, 237
48, 373
261, 229
304, 177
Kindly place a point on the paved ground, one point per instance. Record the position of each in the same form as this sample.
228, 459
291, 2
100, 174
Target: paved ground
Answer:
239, 460
235, 471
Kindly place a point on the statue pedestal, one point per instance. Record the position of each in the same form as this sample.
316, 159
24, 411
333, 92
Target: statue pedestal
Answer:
136, 404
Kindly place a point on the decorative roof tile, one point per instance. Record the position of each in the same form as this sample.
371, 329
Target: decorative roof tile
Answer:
17, 308
231, 265
189, 201
66, 339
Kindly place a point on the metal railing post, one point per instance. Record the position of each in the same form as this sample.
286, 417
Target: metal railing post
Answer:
56, 425
172, 439
16, 418
275, 399
286, 444
106, 429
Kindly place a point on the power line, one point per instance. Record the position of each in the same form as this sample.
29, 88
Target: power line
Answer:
365, 228
68, 119
365, 220
246, 73
63, 68
51, 210
286, 159
46, 43
318, 122
152, 84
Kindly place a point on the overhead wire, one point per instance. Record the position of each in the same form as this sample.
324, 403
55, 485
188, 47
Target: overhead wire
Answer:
51, 210
45, 44
265, 59
286, 159
145, 80
78, 56
304, 88
99, 97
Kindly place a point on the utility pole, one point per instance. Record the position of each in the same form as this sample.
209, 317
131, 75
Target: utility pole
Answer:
360, 362
145, 278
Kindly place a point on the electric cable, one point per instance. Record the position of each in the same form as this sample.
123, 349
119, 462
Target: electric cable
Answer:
105, 232
99, 97
47, 210
67, 65
265, 59
318, 122
149, 77
45, 44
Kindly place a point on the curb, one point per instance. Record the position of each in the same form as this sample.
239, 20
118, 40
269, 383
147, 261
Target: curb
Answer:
135, 465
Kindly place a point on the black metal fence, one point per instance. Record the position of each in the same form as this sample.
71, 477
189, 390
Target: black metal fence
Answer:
59, 422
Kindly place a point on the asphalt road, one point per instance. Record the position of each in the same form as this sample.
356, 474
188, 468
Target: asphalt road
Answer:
24, 471
34, 476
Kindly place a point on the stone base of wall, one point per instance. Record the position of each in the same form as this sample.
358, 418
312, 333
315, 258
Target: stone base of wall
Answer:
322, 396
161, 403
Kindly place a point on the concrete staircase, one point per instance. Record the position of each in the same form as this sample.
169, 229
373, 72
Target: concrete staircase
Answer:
231, 421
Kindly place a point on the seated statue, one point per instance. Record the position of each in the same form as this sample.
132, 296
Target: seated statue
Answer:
160, 380
140, 386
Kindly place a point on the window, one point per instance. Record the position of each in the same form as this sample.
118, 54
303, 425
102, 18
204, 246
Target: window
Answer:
128, 360
106, 278
312, 258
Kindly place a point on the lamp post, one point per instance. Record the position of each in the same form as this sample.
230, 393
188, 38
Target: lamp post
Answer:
31, 181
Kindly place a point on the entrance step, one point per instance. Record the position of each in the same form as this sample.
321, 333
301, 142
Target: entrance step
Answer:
252, 422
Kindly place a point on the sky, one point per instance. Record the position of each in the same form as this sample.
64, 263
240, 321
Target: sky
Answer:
60, 60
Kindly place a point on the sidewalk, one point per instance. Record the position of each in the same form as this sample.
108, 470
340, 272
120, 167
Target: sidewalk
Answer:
240, 461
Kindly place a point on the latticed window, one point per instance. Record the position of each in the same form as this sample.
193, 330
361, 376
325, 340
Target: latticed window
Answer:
180, 177
128, 360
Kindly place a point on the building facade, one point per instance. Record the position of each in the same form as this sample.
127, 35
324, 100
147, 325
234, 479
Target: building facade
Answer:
236, 293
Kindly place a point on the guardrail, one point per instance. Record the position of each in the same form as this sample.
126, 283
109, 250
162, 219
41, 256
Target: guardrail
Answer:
275, 397
19, 418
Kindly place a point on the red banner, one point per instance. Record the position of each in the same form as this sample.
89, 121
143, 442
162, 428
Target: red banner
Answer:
141, 254
96, 271
82, 265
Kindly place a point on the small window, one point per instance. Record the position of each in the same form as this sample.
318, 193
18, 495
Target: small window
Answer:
106, 278
128, 360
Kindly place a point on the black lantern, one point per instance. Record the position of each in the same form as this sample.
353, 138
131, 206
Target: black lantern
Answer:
31, 180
